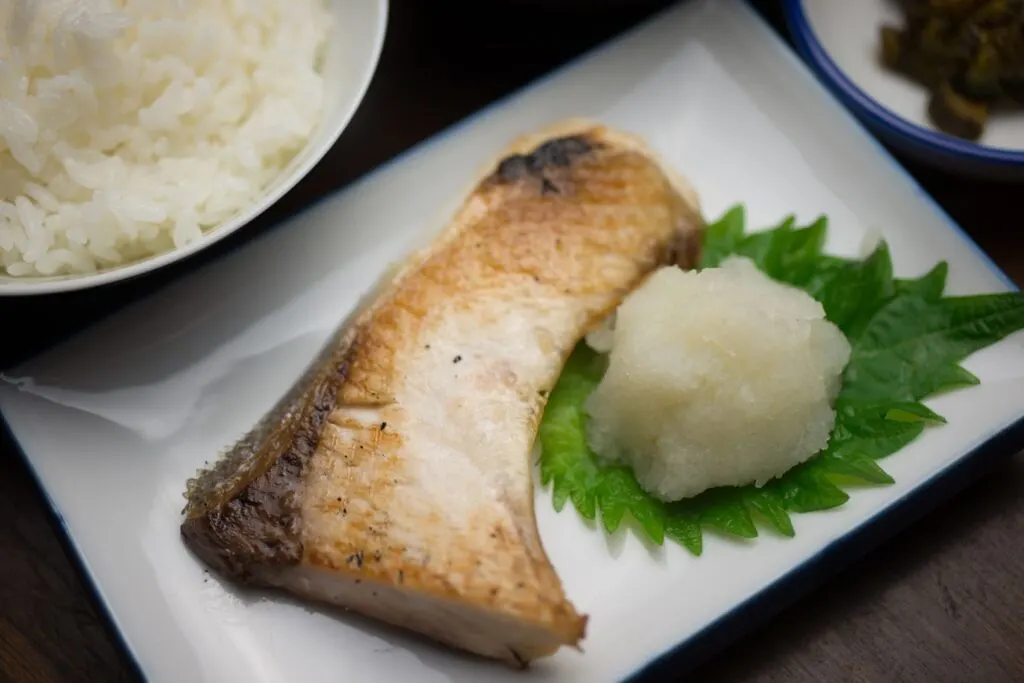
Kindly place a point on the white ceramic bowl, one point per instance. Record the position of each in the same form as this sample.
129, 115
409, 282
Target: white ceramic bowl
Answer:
349, 63
839, 39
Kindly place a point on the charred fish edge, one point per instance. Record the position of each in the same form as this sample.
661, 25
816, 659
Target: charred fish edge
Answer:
257, 525
557, 153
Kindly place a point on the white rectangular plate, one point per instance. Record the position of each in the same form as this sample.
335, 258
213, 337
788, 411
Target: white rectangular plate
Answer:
122, 415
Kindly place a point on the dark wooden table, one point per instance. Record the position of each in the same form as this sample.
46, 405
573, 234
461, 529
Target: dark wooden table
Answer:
943, 602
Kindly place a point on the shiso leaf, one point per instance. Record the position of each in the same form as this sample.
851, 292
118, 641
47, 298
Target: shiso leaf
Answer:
857, 290
769, 504
806, 488
851, 469
913, 412
725, 510
623, 494
682, 525
724, 237
929, 286
907, 342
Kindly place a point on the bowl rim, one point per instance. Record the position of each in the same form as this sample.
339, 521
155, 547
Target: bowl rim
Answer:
38, 285
877, 114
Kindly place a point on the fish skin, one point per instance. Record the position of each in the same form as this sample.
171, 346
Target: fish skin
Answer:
395, 479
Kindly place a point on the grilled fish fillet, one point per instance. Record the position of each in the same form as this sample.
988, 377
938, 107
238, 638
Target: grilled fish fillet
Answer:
395, 478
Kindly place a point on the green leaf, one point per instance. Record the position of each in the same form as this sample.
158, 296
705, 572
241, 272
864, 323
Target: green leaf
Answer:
913, 412
865, 429
929, 286
620, 493
907, 341
854, 294
851, 468
799, 263
725, 510
682, 525
723, 237
805, 488
912, 346
770, 505
825, 270
766, 248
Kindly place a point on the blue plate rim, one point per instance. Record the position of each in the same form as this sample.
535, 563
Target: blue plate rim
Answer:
745, 616
874, 112
809, 575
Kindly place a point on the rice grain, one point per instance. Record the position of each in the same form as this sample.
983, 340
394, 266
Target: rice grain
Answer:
129, 128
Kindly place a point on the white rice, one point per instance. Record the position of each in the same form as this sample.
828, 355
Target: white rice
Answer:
128, 127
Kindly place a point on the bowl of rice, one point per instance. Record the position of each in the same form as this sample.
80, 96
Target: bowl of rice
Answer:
136, 132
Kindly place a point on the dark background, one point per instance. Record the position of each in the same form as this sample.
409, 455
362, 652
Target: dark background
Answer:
942, 602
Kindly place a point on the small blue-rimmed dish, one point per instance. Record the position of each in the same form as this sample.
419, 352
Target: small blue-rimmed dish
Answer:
839, 40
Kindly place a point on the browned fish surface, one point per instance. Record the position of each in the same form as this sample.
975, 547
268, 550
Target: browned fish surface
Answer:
395, 479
